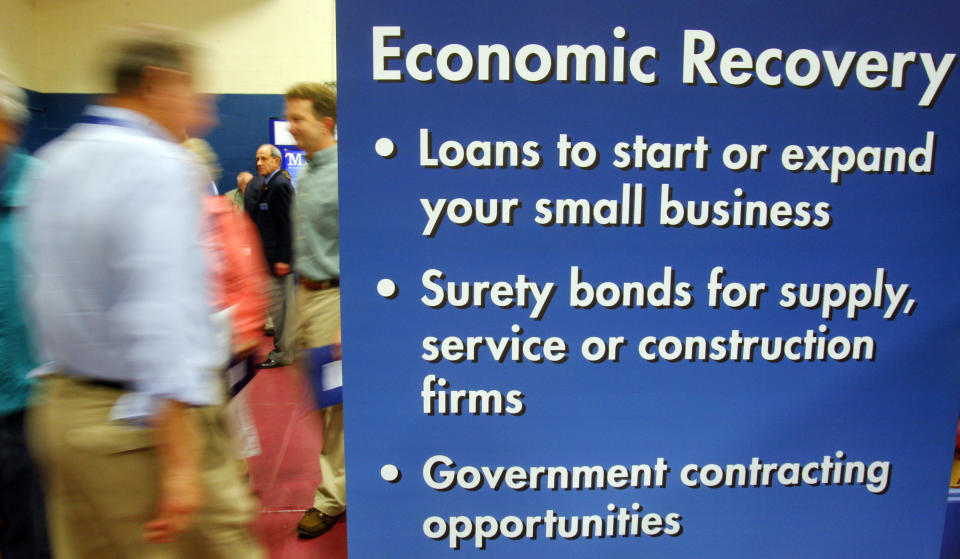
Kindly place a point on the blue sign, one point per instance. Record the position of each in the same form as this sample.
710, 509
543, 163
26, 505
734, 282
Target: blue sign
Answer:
648, 279
294, 160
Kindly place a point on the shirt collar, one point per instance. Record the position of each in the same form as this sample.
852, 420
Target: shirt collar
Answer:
12, 164
7, 164
323, 157
6, 161
130, 119
269, 177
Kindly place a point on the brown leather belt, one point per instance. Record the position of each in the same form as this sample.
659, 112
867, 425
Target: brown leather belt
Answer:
314, 285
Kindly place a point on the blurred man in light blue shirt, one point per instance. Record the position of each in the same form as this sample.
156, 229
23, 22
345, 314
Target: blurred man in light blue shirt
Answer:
119, 293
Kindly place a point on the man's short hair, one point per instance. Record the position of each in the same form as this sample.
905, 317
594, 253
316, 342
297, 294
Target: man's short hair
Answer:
323, 99
274, 150
143, 47
13, 102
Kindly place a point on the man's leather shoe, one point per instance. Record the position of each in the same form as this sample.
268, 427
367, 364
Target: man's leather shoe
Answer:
269, 364
315, 523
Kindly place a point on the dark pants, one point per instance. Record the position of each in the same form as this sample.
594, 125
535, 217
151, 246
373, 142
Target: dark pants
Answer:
23, 533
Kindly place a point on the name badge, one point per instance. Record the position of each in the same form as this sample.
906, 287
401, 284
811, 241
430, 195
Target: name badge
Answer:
263, 206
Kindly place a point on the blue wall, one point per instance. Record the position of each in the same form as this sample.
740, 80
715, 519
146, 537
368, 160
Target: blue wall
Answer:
244, 125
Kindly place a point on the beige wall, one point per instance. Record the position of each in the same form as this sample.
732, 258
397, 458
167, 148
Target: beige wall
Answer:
17, 40
250, 46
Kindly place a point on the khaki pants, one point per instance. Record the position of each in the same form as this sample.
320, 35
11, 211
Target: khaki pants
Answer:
319, 322
101, 480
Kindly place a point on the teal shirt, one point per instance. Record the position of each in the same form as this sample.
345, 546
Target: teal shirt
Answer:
316, 215
16, 356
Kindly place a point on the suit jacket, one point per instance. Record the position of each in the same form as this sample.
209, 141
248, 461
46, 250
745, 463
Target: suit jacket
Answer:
269, 208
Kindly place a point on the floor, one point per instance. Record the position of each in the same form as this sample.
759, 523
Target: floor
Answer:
285, 473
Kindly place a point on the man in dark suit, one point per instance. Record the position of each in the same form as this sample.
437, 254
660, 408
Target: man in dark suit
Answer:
267, 200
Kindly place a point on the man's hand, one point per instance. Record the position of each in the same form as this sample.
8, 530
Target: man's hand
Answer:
281, 269
336, 350
181, 494
180, 488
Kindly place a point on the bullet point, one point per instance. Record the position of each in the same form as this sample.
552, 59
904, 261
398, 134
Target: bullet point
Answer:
385, 147
390, 473
386, 288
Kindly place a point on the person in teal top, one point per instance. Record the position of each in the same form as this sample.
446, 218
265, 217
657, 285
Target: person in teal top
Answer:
22, 526
16, 360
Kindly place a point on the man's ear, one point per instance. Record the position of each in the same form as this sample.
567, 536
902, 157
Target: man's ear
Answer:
329, 123
153, 78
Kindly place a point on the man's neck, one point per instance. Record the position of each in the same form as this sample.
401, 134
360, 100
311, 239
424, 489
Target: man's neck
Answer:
128, 102
321, 146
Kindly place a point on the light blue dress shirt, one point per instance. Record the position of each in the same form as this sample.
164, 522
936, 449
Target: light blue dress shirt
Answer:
115, 271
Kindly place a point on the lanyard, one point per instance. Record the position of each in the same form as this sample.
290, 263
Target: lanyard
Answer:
119, 122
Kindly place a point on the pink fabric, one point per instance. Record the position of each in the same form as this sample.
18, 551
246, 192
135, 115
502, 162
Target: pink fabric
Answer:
237, 267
